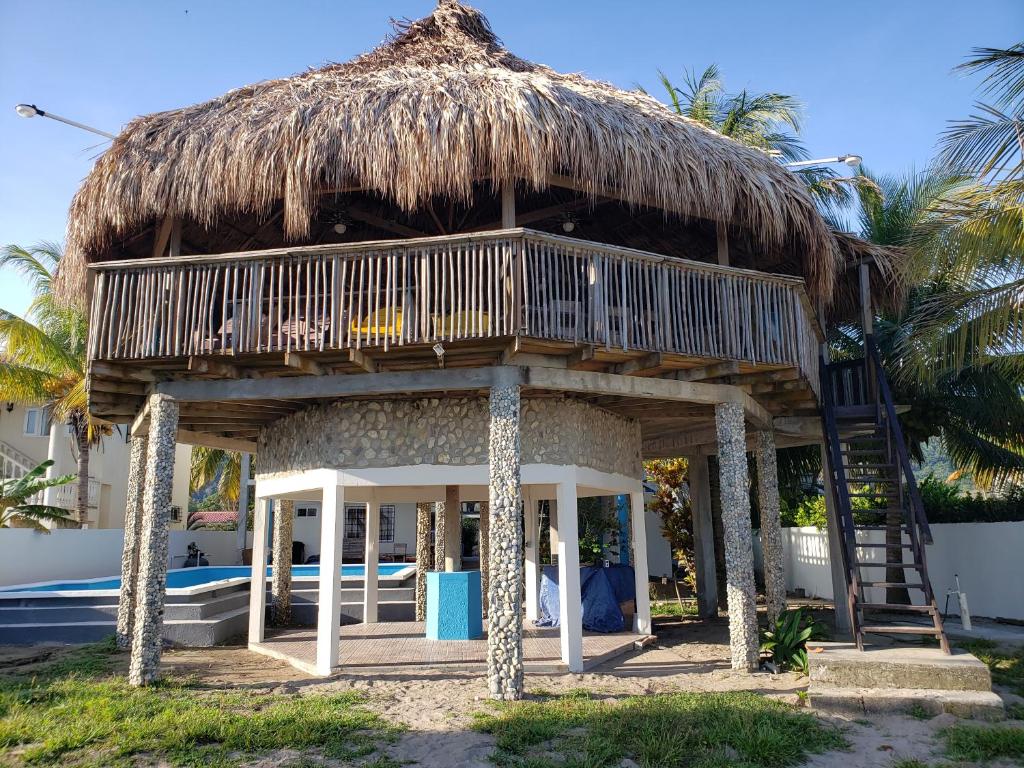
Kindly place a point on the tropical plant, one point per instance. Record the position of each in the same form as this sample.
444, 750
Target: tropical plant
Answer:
216, 466
598, 529
786, 641
671, 504
43, 356
18, 507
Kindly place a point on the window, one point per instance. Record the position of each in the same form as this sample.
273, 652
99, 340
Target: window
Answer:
36, 422
355, 522
176, 514
305, 511
387, 522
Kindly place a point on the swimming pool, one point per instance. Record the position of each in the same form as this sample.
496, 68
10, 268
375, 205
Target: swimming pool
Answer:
190, 578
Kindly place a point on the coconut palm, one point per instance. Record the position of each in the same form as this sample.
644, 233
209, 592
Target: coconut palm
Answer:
18, 507
44, 362
214, 465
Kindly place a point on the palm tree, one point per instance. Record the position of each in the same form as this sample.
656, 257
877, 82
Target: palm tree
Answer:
209, 465
43, 362
17, 505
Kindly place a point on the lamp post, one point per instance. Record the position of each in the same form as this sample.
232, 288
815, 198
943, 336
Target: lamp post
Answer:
31, 110
853, 161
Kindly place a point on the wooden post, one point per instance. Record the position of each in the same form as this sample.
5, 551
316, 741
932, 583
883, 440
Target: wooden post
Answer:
241, 529
508, 206
722, 237
866, 314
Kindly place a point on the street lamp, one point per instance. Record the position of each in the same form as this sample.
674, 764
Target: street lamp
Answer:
851, 160
31, 110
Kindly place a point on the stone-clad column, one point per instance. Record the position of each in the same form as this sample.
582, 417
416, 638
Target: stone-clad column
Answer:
422, 558
771, 525
739, 551
504, 617
439, 535
453, 529
485, 550
130, 552
281, 571
156, 513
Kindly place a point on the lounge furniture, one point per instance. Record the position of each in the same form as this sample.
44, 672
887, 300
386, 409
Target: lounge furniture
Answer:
399, 554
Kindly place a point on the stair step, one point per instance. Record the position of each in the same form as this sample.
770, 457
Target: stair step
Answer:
895, 607
886, 546
903, 528
870, 480
863, 564
900, 629
869, 466
866, 495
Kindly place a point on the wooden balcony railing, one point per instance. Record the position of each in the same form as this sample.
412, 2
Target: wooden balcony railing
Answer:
424, 290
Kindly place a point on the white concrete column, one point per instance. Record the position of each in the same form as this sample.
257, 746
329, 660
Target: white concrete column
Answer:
553, 526
371, 559
771, 526
532, 556
739, 549
703, 536
453, 529
570, 601
258, 581
328, 620
642, 616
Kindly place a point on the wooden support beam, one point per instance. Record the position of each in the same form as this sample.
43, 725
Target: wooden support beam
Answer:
713, 371
304, 364
508, 206
189, 437
217, 368
116, 387
120, 372
581, 355
722, 238
163, 236
388, 226
140, 426
640, 365
363, 360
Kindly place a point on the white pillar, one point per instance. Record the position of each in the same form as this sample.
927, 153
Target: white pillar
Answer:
703, 536
642, 616
570, 602
372, 556
258, 582
328, 620
532, 556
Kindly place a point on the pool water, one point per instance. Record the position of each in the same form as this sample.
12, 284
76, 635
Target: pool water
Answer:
181, 578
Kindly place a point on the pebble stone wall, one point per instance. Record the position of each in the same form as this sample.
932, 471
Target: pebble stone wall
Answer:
771, 525
156, 513
281, 573
422, 552
130, 552
485, 552
504, 617
452, 431
739, 551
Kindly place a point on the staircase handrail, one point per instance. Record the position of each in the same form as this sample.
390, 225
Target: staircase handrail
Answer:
902, 456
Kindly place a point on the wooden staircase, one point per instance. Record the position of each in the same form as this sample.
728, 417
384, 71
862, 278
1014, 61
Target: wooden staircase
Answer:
876, 491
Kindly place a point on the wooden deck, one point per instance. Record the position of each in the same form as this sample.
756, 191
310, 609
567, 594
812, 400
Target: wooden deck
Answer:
402, 645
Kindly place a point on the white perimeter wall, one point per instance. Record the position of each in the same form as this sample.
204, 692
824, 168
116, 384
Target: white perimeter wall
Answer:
28, 556
988, 556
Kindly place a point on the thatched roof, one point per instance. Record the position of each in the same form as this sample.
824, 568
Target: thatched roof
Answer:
437, 108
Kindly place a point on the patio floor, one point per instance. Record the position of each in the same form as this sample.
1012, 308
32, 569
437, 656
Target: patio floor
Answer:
401, 644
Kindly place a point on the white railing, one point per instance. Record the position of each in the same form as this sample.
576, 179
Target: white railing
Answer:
424, 290
14, 463
66, 496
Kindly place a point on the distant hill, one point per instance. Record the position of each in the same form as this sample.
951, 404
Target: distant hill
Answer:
937, 462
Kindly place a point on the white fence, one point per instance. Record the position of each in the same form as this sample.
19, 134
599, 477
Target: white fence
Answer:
29, 556
989, 557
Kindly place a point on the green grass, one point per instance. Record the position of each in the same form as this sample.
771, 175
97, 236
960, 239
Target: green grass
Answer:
665, 608
984, 742
77, 712
698, 730
908, 763
1007, 666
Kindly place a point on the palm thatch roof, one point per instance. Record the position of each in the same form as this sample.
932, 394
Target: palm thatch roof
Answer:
432, 111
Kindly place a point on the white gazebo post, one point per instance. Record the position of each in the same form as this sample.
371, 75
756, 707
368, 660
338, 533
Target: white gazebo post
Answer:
258, 582
637, 513
570, 603
532, 555
328, 620
370, 570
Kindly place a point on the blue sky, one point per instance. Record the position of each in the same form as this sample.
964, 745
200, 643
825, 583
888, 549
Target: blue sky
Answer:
875, 77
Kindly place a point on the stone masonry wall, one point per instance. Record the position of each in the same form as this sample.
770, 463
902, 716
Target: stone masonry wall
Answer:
394, 433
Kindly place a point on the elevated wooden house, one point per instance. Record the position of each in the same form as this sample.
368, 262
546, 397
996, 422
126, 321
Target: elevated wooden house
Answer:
441, 273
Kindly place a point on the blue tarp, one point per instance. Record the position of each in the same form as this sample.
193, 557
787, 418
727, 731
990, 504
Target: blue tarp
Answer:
602, 591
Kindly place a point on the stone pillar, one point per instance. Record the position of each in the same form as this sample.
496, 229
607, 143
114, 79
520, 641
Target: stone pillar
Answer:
703, 536
328, 616
243, 507
771, 525
453, 529
532, 557
570, 599
638, 515
371, 559
739, 551
281, 573
485, 552
422, 558
440, 535
130, 551
156, 512
504, 617
258, 581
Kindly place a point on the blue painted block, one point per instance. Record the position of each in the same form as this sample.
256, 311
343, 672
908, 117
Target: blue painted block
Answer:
453, 606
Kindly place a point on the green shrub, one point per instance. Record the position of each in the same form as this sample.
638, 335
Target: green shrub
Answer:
786, 642
946, 503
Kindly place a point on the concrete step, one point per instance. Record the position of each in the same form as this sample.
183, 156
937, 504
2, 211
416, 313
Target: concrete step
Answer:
37, 614
841, 665
206, 608
983, 705
200, 633
56, 632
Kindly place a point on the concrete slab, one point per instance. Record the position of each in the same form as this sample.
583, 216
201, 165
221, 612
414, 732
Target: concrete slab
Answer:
841, 665
982, 705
